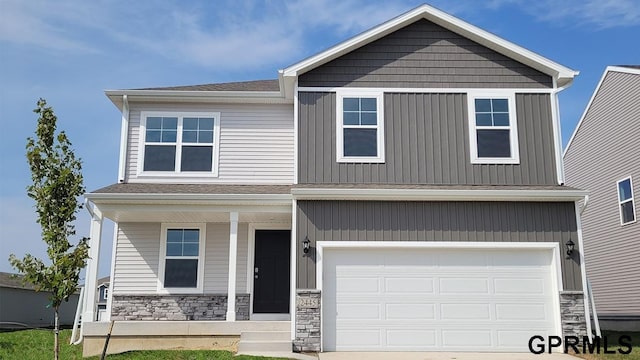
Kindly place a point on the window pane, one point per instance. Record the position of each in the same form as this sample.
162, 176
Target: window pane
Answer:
368, 104
483, 105
369, 118
159, 158
153, 136
190, 249
154, 123
181, 273
169, 135
170, 123
360, 142
174, 235
205, 136
483, 120
350, 104
190, 136
500, 105
501, 119
191, 235
206, 123
493, 143
190, 123
351, 118
174, 249
624, 189
627, 212
197, 158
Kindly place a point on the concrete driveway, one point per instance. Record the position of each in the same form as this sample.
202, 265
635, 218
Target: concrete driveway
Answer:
439, 356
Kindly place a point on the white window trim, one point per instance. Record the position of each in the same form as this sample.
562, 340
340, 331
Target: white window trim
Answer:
379, 96
106, 293
513, 127
199, 289
631, 200
177, 173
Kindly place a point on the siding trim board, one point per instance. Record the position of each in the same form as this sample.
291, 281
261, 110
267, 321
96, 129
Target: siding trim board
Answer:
451, 90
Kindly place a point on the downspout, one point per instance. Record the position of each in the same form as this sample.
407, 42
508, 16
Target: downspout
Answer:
557, 131
124, 129
82, 301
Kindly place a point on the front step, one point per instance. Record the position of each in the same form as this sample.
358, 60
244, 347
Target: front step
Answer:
263, 341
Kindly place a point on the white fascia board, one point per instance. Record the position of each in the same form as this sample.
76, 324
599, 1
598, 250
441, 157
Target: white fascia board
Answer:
124, 198
269, 97
437, 194
593, 96
562, 73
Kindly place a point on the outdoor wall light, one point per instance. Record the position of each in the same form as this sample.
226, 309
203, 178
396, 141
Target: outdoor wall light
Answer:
306, 244
570, 246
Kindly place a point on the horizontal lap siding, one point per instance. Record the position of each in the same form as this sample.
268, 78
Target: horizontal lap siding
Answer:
425, 55
604, 150
426, 142
138, 252
435, 221
256, 141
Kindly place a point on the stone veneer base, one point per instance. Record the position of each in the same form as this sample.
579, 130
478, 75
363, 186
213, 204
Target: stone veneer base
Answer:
308, 314
177, 307
572, 314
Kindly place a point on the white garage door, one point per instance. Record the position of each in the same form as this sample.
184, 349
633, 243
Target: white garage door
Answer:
436, 300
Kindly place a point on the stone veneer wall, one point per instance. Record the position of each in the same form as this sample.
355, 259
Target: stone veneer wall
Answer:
177, 307
572, 313
307, 321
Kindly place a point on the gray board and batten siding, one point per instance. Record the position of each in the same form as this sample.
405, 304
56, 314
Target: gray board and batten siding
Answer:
425, 55
426, 142
436, 221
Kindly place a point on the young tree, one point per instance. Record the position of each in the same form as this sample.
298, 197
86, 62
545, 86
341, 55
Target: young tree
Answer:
56, 188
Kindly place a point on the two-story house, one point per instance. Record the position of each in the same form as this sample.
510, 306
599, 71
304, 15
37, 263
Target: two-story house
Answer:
603, 157
400, 191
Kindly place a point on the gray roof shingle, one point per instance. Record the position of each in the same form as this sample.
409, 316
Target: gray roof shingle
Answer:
256, 85
142, 188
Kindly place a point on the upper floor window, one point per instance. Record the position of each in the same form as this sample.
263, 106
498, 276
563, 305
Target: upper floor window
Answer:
181, 258
180, 143
493, 130
360, 127
625, 201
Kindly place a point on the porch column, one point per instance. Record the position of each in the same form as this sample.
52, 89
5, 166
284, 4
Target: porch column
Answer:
91, 274
233, 259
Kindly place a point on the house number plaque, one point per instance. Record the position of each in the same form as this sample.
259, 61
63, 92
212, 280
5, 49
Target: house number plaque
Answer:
305, 302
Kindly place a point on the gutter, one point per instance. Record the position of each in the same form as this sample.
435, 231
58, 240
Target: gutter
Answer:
437, 194
164, 198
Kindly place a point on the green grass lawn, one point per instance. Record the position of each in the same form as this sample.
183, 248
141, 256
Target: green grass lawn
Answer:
38, 344
612, 338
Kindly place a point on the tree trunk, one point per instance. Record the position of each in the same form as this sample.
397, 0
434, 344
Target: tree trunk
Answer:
56, 332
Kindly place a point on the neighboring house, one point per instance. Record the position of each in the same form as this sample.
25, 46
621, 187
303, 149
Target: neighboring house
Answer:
23, 307
400, 191
103, 295
603, 156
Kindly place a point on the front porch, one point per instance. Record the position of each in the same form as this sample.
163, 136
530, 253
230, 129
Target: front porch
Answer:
168, 335
177, 256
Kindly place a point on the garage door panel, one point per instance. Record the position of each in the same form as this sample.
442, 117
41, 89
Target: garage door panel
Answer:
464, 286
469, 312
520, 285
408, 311
426, 300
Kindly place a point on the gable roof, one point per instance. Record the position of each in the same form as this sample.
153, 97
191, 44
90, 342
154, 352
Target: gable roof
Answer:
629, 69
563, 75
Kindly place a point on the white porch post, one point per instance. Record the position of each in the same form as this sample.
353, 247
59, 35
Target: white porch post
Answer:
91, 275
233, 258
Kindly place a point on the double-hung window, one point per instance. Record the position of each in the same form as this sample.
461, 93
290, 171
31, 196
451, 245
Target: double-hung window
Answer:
181, 258
626, 202
180, 143
493, 130
360, 127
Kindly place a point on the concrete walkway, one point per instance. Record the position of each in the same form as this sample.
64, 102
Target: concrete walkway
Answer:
439, 356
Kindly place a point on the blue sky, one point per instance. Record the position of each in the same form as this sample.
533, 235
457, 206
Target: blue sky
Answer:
70, 51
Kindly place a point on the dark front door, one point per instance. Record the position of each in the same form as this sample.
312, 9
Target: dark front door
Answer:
271, 272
